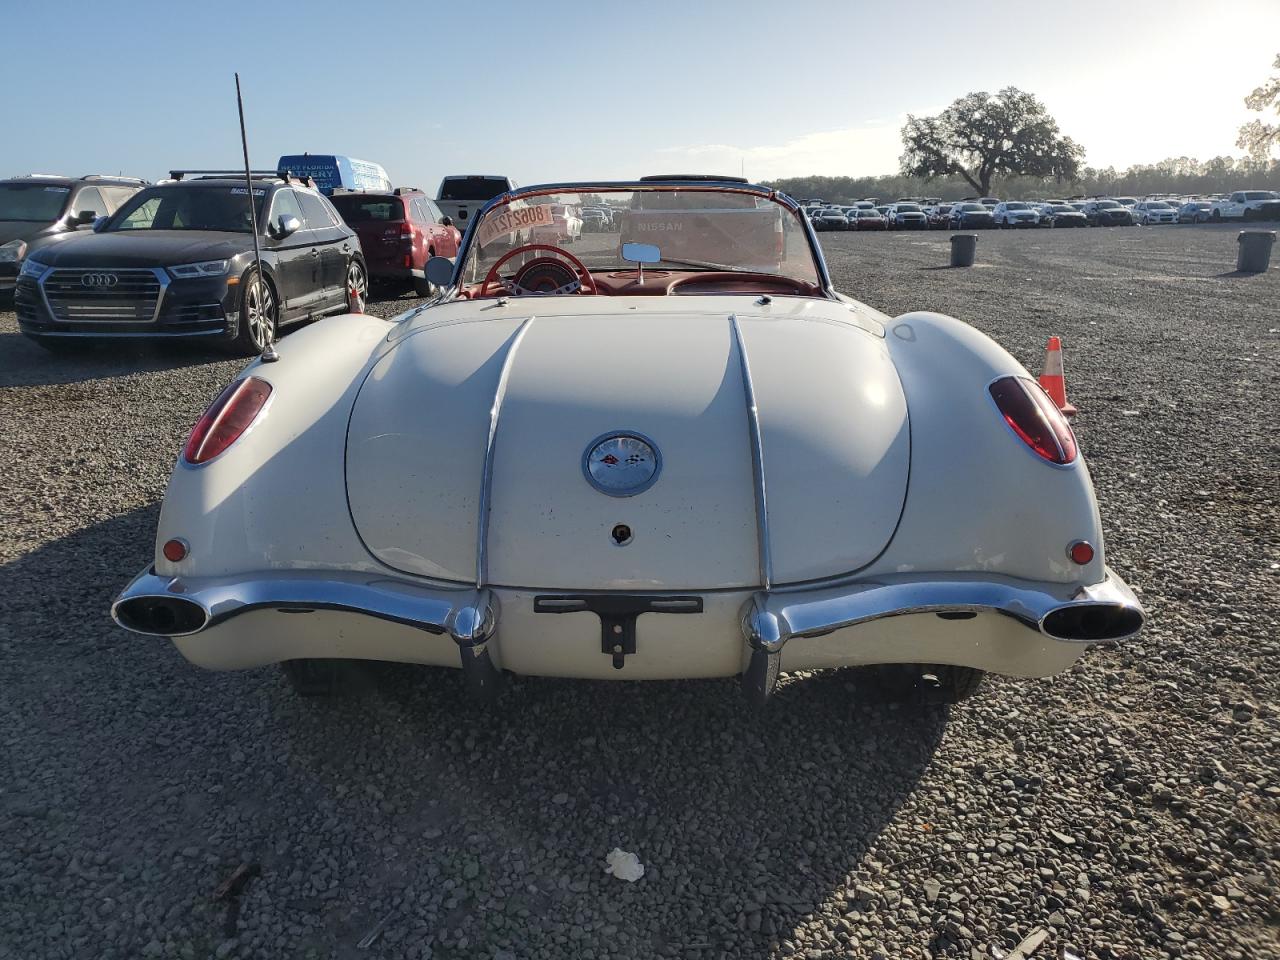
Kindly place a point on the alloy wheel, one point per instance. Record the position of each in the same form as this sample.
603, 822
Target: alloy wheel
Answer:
260, 314
356, 281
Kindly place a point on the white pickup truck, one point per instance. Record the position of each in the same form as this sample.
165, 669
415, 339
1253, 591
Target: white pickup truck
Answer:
1247, 205
462, 195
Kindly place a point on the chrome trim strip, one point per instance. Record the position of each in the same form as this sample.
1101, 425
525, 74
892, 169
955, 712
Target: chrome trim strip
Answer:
116, 335
486, 476
469, 616
769, 620
757, 460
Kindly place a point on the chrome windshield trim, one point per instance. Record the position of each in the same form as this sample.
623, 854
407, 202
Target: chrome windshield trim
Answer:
764, 548
486, 476
595, 186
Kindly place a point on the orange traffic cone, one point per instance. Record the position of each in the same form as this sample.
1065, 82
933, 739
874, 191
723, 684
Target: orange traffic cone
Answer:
357, 302
1053, 380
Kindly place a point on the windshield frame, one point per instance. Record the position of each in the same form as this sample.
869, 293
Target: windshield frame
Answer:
632, 186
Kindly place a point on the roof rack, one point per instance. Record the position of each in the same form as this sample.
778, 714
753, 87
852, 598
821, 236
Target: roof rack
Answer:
286, 175
210, 174
109, 176
47, 176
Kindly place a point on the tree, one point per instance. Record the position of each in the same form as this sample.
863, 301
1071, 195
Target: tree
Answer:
1255, 136
981, 136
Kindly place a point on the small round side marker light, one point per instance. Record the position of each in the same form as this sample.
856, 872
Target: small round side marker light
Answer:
1080, 552
175, 549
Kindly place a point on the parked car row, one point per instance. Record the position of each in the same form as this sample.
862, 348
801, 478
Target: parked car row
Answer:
109, 257
977, 213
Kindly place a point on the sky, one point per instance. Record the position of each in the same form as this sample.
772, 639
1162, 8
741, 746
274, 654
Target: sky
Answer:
555, 90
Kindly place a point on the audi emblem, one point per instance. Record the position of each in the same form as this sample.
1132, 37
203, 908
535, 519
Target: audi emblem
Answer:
99, 280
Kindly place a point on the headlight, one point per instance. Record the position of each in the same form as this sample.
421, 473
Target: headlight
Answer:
206, 268
12, 251
32, 268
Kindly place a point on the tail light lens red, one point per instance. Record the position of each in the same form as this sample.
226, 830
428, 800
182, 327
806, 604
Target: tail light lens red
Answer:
1031, 415
226, 419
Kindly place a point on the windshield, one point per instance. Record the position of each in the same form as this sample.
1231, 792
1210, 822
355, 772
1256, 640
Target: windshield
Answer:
362, 209
973, 208
1015, 206
32, 201
695, 229
870, 214
473, 189
189, 207
1157, 205
908, 208
1064, 209
1106, 205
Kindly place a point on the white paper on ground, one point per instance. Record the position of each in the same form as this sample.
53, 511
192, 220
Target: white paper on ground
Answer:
623, 865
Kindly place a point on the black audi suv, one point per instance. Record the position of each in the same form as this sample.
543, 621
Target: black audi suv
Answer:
176, 260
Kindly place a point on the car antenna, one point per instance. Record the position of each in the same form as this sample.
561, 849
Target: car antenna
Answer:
269, 354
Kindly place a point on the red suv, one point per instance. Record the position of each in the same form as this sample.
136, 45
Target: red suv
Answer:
399, 232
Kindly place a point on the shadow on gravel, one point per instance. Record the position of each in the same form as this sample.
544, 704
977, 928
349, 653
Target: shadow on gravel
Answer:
468, 828
746, 821
27, 364
59, 594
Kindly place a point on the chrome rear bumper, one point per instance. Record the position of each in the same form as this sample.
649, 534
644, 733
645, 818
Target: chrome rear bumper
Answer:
1066, 613
180, 606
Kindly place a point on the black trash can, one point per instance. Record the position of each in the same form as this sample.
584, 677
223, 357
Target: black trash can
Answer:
964, 248
1255, 250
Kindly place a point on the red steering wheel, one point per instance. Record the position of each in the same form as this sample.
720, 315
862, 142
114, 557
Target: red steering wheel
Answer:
584, 281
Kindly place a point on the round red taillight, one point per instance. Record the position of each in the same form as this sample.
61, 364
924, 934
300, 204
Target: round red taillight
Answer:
175, 549
1081, 552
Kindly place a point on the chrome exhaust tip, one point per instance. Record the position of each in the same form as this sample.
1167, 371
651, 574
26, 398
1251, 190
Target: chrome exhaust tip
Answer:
160, 616
1092, 622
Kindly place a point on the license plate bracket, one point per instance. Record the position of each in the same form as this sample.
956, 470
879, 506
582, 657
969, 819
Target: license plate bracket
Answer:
617, 613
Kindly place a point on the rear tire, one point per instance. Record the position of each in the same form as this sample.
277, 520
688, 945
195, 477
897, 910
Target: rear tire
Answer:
921, 684
318, 678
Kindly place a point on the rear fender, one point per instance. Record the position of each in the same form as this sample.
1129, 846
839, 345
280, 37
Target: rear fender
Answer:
978, 498
276, 498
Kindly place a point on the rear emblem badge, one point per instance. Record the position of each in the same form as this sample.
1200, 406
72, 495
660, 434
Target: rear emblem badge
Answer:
621, 464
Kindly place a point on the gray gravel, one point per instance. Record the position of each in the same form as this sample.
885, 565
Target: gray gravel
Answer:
1129, 806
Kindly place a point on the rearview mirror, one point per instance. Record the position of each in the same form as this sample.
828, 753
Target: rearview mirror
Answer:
286, 224
440, 271
641, 253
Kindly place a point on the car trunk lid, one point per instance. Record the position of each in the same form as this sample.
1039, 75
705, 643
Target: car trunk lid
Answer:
832, 424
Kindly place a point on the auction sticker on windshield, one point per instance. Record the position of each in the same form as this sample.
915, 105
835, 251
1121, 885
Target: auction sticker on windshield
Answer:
513, 219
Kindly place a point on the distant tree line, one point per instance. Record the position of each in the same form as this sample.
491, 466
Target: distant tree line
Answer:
1182, 175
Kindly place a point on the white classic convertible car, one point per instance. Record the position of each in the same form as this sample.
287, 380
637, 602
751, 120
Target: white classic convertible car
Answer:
674, 452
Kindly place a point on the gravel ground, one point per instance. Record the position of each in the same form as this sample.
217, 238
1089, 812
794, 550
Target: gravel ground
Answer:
1128, 807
